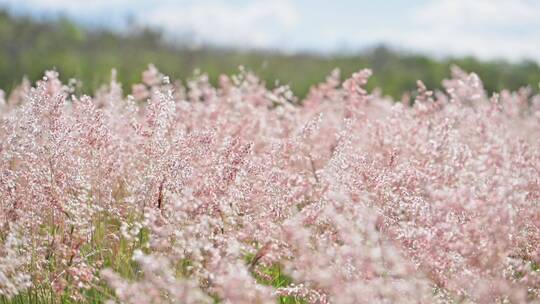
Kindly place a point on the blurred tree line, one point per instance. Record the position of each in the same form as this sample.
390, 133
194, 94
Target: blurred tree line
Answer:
29, 47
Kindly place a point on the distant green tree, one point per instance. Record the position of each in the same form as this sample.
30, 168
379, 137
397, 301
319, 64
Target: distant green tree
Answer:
29, 46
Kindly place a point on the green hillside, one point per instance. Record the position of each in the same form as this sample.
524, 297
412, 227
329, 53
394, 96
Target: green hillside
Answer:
29, 46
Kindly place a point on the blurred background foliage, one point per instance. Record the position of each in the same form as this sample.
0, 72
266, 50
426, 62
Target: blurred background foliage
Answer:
30, 46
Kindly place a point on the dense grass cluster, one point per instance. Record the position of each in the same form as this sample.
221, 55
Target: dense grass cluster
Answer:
182, 192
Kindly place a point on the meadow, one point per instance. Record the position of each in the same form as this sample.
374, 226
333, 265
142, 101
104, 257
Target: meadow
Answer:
175, 191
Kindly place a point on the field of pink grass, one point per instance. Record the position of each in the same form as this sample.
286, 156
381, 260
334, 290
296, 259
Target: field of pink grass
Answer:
184, 192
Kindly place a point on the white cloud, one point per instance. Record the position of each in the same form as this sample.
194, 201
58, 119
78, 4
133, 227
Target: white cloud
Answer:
240, 23
485, 28
252, 24
463, 13
70, 6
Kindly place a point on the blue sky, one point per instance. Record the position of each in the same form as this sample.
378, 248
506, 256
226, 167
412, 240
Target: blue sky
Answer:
485, 28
